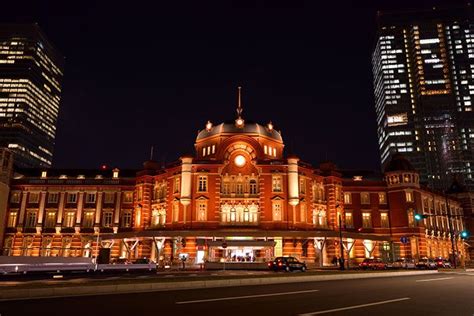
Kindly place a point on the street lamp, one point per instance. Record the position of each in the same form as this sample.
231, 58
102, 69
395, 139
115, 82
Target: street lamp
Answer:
340, 239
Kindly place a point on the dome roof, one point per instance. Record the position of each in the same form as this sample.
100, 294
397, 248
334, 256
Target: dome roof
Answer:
249, 128
399, 163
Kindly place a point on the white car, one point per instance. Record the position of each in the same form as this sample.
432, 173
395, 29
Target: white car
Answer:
404, 264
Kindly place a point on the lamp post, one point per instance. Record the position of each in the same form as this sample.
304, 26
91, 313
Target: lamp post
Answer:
451, 229
340, 243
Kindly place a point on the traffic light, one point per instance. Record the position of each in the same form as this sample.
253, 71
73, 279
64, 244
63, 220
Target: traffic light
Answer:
419, 217
464, 234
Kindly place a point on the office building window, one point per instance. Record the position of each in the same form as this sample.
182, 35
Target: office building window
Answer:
202, 184
366, 220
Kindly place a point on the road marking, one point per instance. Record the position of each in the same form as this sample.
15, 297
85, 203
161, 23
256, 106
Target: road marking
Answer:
437, 279
244, 297
355, 306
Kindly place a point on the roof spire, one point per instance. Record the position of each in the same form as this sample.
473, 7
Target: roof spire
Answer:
239, 101
239, 121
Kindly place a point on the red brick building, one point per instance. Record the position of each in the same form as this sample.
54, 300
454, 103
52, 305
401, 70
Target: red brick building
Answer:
239, 198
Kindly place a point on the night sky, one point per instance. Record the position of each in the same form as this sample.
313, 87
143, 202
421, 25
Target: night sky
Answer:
144, 73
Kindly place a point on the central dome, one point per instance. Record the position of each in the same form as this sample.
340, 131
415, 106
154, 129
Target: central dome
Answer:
230, 128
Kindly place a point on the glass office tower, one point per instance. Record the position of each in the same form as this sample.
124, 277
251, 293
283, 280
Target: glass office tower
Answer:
31, 72
423, 67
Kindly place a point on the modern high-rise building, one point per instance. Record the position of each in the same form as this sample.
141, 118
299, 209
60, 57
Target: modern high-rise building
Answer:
31, 71
423, 67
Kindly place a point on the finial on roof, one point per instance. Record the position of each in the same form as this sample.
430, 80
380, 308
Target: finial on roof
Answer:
239, 102
239, 122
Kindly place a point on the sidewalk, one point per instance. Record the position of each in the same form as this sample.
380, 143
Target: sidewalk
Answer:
70, 288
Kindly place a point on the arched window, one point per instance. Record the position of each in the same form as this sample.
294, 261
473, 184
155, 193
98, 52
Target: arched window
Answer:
253, 187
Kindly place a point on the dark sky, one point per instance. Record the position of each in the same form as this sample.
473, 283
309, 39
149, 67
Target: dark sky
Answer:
142, 73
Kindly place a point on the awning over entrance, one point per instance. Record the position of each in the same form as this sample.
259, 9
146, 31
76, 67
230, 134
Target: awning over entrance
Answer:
242, 243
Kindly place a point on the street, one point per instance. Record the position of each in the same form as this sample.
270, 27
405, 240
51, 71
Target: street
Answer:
438, 294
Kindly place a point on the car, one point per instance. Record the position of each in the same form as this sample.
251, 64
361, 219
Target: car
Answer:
426, 263
404, 263
442, 263
286, 264
373, 264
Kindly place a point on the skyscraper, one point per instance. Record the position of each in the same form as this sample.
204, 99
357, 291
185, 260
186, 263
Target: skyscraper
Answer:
31, 72
423, 67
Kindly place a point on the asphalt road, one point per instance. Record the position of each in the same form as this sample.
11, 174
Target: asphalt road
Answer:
438, 294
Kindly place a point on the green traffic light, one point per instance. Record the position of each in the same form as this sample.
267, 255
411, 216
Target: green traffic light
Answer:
464, 234
418, 217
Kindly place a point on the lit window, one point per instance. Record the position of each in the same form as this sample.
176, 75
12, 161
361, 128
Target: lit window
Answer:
33, 197
90, 198
107, 219
302, 186
128, 197
53, 197
409, 196
126, 219
384, 220
365, 198
12, 216
411, 218
349, 221
347, 198
72, 197
109, 197
177, 184
397, 119
277, 211
15, 197
88, 219
31, 219
276, 184
382, 198
202, 183
50, 220
303, 212
201, 210
175, 211
366, 220
69, 219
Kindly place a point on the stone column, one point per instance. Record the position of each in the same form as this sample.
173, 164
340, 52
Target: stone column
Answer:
186, 183
80, 207
98, 208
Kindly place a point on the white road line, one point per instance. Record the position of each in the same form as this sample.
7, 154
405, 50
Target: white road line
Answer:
354, 307
244, 297
437, 279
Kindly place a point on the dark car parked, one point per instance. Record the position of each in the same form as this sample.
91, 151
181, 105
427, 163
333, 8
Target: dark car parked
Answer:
287, 264
373, 264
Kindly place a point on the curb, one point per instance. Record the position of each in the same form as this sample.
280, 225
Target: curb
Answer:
54, 292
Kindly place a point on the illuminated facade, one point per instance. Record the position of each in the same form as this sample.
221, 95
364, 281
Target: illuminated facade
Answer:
423, 66
31, 72
238, 199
